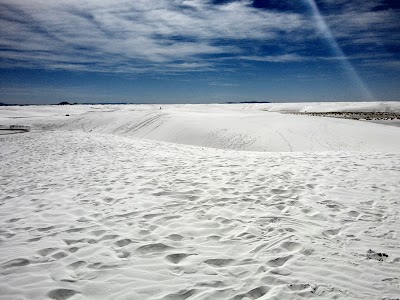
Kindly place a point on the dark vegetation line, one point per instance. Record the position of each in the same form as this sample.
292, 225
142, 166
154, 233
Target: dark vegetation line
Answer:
352, 115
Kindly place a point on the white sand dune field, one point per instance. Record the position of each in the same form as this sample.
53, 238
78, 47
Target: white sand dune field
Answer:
198, 202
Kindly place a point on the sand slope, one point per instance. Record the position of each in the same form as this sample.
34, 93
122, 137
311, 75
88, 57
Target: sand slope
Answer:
237, 127
90, 215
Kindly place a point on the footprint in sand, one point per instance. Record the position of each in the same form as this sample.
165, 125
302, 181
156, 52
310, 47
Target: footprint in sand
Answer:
153, 248
19, 262
123, 254
330, 233
46, 251
13, 220
181, 295
61, 294
255, 293
98, 232
60, 255
73, 249
45, 229
218, 262
175, 237
177, 257
76, 265
123, 243
291, 246
108, 237
278, 262
353, 213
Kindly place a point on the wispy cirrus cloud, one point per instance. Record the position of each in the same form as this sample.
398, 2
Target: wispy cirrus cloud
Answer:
367, 26
277, 58
133, 35
174, 36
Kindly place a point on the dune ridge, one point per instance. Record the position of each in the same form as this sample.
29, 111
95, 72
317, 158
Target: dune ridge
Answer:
236, 127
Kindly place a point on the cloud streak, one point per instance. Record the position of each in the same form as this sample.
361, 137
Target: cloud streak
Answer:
171, 36
130, 36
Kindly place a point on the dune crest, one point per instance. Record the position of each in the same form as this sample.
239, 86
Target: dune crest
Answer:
255, 127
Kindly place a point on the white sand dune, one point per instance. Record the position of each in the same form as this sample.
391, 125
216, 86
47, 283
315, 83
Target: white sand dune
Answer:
237, 127
91, 210
390, 106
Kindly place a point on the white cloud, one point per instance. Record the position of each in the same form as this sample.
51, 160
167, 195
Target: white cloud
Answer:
114, 33
170, 35
277, 58
363, 25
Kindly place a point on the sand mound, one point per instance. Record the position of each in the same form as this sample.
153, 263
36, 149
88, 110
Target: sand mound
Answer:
236, 127
88, 216
90, 211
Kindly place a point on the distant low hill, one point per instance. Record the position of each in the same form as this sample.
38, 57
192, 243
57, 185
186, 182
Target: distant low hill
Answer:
248, 102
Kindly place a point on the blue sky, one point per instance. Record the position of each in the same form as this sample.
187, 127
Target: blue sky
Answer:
199, 51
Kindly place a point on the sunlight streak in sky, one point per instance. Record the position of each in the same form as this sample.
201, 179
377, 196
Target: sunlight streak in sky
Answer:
337, 51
